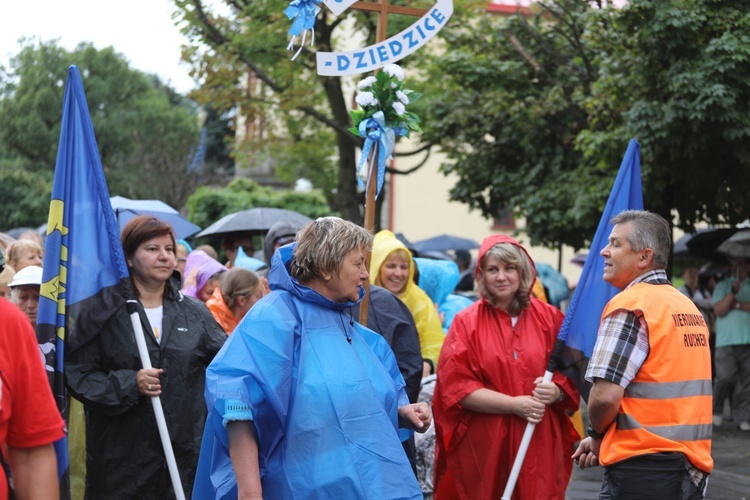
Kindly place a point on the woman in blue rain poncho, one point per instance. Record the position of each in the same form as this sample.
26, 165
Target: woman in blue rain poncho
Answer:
303, 401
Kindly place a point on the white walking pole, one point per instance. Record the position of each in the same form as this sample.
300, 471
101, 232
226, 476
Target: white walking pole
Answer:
161, 422
522, 449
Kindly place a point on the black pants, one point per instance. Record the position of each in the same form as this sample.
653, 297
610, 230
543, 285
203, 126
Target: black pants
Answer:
658, 476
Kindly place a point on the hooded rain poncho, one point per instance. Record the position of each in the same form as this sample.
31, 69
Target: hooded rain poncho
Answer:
324, 393
475, 451
422, 308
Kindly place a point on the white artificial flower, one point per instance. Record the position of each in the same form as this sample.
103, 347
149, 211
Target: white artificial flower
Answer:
394, 70
399, 108
366, 99
394, 85
367, 82
402, 97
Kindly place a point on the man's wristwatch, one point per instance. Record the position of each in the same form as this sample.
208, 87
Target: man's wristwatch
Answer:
595, 435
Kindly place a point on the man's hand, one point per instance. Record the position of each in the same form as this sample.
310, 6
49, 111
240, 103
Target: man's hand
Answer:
587, 454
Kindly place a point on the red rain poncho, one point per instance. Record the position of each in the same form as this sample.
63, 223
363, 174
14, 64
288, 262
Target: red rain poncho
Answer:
475, 451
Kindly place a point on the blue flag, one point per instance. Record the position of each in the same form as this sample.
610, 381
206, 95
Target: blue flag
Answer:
581, 324
83, 257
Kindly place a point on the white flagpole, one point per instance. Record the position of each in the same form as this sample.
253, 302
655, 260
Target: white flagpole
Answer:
161, 422
522, 449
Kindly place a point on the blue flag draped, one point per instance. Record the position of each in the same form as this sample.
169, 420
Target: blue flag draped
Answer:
581, 325
578, 332
83, 256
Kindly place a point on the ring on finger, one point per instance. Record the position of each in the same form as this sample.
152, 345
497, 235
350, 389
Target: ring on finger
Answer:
148, 387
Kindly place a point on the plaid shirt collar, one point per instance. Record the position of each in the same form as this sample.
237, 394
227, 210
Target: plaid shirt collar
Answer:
653, 277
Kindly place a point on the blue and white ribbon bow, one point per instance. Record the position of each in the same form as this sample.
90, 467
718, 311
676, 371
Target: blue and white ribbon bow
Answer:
376, 134
303, 13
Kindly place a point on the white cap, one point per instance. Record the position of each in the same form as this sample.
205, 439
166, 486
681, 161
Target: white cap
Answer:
31, 275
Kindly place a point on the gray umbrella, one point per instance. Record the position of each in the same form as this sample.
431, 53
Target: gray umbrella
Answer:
443, 243
738, 245
256, 220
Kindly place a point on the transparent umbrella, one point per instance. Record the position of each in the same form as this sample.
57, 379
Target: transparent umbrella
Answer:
255, 220
738, 245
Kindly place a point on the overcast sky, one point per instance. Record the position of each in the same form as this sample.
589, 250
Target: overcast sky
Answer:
141, 30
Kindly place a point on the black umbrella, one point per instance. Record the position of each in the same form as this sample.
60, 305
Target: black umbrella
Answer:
256, 220
445, 242
705, 242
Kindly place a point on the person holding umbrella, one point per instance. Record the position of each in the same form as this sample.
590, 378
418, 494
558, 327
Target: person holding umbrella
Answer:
489, 386
124, 455
731, 301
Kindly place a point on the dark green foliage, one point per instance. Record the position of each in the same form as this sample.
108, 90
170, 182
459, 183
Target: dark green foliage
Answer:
207, 205
25, 195
535, 114
145, 131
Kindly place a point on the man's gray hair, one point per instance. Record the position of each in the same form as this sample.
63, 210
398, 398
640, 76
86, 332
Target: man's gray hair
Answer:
322, 245
649, 230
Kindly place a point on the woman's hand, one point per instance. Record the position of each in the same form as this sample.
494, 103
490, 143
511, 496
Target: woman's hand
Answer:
546, 392
529, 408
416, 417
148, 381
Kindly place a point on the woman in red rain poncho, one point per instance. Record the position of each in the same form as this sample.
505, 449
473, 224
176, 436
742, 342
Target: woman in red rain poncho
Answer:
489, 387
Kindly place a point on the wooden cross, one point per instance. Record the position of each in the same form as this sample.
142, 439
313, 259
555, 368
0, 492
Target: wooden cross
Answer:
383, 8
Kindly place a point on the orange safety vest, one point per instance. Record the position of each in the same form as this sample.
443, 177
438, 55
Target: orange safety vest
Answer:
667, 406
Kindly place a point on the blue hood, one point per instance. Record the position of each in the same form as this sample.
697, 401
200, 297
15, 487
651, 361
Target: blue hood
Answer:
280, 279
438, 278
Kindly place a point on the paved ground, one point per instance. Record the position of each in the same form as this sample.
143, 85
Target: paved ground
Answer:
730, 478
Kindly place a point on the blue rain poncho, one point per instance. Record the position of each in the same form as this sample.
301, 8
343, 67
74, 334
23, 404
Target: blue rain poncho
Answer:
438, 278
324, 393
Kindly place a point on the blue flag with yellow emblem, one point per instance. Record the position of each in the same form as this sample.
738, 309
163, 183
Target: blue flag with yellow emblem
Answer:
581, 324
83, 258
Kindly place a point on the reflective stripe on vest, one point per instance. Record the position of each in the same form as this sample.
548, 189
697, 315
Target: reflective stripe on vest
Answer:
668, 390
673, 432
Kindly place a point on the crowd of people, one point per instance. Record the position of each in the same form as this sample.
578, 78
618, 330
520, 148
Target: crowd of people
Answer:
273, 386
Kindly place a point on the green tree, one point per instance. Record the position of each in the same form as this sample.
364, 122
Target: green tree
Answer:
296, 120
25, 195
209, 204
145, 131
535, 114
685, 72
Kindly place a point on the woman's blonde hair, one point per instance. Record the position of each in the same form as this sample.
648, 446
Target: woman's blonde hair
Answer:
16, 248
509, 253
322, 245
238, 282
